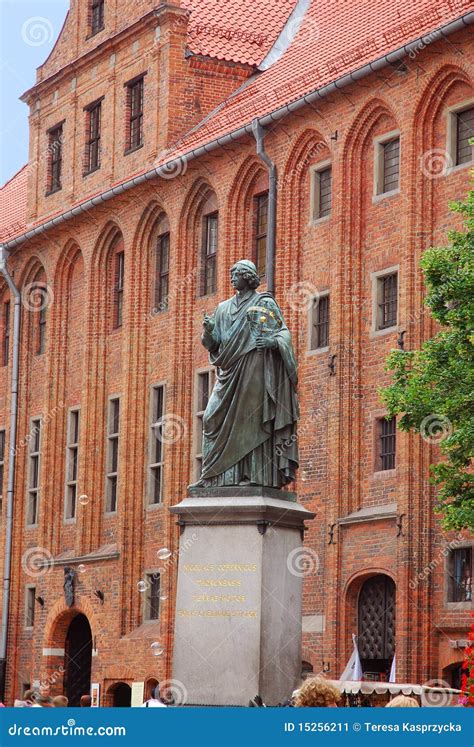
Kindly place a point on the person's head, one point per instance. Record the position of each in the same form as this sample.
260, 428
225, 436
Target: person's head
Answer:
85, 701
44, 701
402, 701
30, 696
60, 701
317, 693
244, 275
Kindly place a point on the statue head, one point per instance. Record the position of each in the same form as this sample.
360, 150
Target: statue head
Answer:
244, 271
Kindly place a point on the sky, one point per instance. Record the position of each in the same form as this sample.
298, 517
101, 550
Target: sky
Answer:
28, 31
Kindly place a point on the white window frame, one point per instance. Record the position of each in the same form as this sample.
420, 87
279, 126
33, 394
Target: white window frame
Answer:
375, 278
70, 447
198, 415
150, 505
314, 172
451, 137
110, 437
379, 142
33, 454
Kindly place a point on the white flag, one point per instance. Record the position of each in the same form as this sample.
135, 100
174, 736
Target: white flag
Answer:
353, 670
393, 670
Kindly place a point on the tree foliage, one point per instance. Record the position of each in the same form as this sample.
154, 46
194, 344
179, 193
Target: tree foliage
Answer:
432, 389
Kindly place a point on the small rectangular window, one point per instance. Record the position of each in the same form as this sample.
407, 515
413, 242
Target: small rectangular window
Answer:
30, 600
460, 573
162, 271
72, 463
321, 192
464, 133
135, 113
34, 458
320, 323
6, 333
209, 254
152, 606
386, 443
55, 146
119, 281
205, 383
97, 16
388, 165
113, 428
261, 221
387, 301
41, 337
155, 493
2, 467
94, 115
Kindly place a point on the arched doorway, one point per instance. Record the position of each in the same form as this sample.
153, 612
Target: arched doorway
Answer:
121, 695
78, 659
376, 626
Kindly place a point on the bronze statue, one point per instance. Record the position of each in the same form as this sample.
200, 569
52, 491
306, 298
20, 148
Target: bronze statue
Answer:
249, 426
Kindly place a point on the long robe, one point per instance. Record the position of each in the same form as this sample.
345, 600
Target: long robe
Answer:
249, 426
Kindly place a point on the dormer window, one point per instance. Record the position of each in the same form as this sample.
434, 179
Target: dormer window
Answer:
97, 16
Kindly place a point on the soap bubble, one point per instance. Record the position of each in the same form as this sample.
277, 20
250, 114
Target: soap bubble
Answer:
142, 586
84, 500
163, 597
157, 649
164, 553
81, 568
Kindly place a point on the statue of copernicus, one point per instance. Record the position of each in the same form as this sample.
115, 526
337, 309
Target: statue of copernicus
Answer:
249, 426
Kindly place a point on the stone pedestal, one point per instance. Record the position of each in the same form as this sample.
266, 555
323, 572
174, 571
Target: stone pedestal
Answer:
238, 607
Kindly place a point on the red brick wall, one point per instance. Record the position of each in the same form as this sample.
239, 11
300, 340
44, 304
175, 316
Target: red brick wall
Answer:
86, 363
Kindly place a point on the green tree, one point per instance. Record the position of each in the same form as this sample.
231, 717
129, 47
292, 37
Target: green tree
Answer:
432, 389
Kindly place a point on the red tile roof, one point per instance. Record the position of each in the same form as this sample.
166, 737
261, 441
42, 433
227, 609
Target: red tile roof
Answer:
232, 31
13, 205
336, 37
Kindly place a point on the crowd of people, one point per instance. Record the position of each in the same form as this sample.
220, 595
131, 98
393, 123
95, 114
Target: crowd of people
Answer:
38, 699
314, 692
